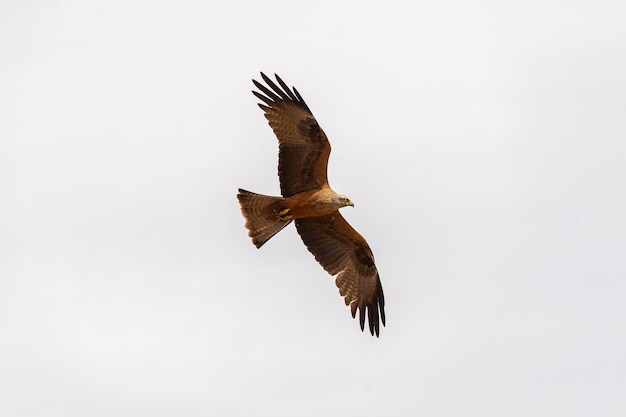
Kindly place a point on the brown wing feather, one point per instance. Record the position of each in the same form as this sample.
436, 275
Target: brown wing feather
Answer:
342, 251
303, 146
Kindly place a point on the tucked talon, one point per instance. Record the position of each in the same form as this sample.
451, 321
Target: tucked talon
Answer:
284, 215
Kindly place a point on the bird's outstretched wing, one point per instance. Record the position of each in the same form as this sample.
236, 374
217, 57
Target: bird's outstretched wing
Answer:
343, 252
303, 146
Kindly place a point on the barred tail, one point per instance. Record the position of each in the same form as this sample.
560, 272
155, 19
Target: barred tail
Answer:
261, 213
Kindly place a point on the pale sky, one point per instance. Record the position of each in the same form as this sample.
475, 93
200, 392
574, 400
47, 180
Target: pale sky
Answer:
484, 146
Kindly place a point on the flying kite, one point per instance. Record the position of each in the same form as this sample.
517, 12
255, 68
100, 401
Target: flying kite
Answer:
308, 200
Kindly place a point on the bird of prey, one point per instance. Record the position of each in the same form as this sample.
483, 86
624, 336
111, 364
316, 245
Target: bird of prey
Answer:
308, 200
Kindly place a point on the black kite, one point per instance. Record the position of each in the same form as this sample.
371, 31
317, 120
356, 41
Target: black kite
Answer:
308, 200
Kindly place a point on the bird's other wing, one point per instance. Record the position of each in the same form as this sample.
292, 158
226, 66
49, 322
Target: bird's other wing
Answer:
342, 251
303, 146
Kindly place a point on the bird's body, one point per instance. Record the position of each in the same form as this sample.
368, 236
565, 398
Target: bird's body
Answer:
308, 200
315, 203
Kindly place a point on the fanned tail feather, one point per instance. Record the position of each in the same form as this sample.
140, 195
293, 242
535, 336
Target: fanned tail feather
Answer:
261, 213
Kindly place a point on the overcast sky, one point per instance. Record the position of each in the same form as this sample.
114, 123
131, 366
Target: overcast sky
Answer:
484, 146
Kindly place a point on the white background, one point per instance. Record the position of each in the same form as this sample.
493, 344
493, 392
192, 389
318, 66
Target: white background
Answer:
483, 143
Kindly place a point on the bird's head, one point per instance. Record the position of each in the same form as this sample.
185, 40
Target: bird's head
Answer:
342, 201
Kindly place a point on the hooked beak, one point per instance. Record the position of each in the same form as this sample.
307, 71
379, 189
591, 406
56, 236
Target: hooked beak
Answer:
350, 203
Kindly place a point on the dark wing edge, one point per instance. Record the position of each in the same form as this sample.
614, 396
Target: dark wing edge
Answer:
344, 253
375, 309
276, 94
